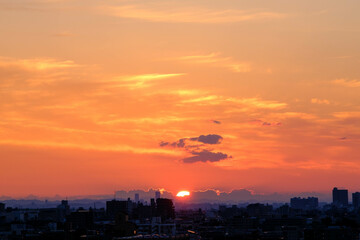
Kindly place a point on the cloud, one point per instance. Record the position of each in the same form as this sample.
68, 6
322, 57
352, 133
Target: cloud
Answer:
95, 147
199, 152
177, 14
180, 143
63, 34
344, 115
347, 83
208, 139
206, 156
143, 80
216, 122
320, 101
258, 103
163, 144
36, 64
216, 60
245, 102
152, 120
285, 115
264, 123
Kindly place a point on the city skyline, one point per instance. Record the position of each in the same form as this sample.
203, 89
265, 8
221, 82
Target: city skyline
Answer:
339, 197
179, 95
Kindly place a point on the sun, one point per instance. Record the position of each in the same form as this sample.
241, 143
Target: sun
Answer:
183, 194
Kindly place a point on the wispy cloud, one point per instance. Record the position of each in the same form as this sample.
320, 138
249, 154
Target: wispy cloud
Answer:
259, 103
113, 148
142, 81
320, 101
347, 83
346, 114
243, 102
188, 15
215, 59
36, 64
63, 34
152, 120
285, 115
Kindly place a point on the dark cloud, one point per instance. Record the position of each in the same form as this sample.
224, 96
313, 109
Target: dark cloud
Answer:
206, 156
197, 146
237, 194
163, 144
216, 122
208, 139
181, 143
264, 123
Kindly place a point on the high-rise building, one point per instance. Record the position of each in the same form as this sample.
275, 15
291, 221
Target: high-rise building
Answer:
114, 207
2, 207
157, 195
165, 208
137, 199
356, 200
340, 197
63, 210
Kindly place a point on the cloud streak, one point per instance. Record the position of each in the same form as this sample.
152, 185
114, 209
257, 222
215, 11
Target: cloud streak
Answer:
36, 64
188, 15
115, 148
216, 60
243, 102
347, 83
320, 101
143, 80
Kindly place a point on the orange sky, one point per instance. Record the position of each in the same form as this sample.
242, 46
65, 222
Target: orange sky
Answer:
97, 96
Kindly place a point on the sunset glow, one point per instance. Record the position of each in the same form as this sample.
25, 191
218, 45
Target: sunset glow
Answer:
98, 96
183, 194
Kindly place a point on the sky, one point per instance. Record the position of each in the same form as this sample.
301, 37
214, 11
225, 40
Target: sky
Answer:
105, 95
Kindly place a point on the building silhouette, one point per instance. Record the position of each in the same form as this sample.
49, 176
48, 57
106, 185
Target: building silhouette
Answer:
114, 207
309, 203
165, 208
157, 195
2, 207
356, 200
340, 197
137, 198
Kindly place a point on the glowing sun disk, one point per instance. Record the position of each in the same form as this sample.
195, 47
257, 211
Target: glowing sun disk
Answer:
183, 194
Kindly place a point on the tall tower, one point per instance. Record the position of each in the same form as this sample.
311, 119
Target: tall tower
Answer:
136, 198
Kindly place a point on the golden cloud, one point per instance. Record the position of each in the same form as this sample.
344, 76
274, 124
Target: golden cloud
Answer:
215, 59
347, 83
188, 15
